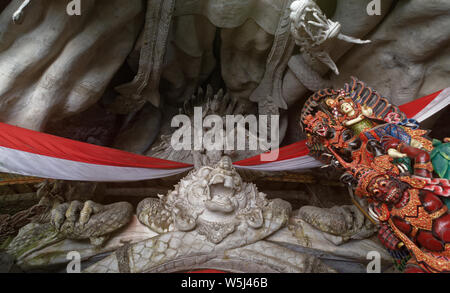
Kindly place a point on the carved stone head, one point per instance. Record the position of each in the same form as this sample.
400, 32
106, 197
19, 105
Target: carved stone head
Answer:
215, 200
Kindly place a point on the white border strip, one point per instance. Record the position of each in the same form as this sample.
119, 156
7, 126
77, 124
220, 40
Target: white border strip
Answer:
300, 163
439, 103
29, 164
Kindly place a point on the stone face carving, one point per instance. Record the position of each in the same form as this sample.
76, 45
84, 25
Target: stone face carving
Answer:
212, 200
212, 218
311, 30
222, 105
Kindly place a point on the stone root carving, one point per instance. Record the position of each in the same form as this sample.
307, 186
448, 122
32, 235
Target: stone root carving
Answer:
74, 220
90, 220
52, 192
312, 31
11, 224
211, 219
346, 222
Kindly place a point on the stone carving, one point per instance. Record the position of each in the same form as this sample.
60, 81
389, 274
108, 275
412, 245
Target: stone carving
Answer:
90, 220
219, 104
11, 224
213, 200
412, 65
144, 87
71, 66
73, 220
260, 39
346, 222
211, 218
59, 191
49, 195
210, 213
304, 73
311, 30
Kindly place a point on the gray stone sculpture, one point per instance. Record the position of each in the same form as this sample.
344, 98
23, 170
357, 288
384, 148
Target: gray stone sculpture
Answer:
210, 217
312, 30
266, 56
56, 65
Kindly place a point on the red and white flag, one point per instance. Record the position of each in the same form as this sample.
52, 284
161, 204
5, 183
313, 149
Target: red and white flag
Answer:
291, 157
425, 107
295, 156
32, 153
